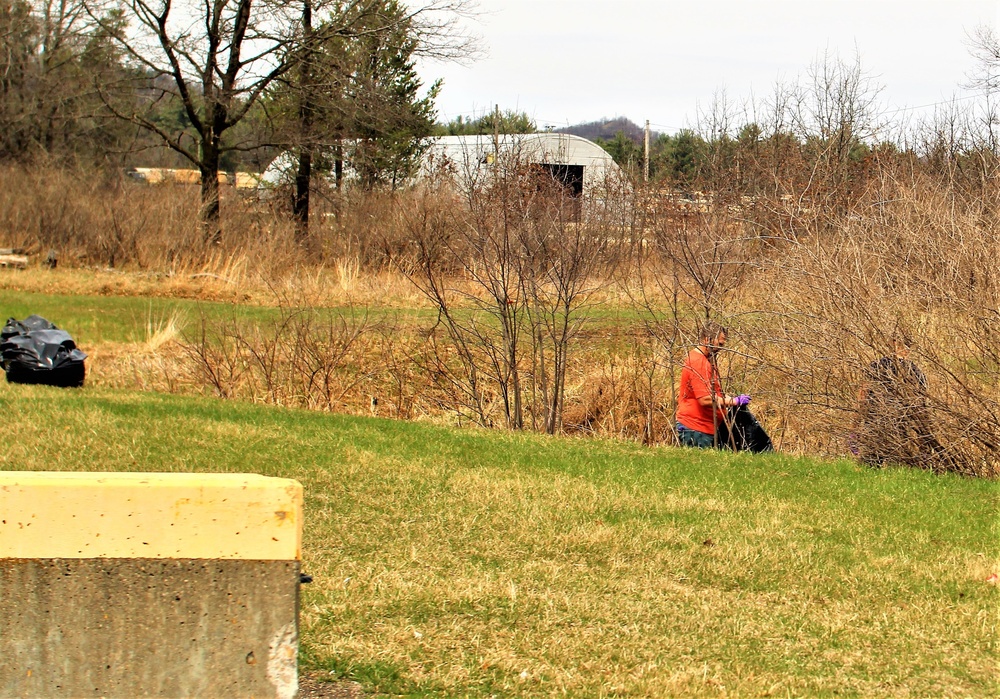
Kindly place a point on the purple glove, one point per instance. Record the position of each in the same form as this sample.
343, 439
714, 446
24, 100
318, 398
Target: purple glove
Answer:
742, 400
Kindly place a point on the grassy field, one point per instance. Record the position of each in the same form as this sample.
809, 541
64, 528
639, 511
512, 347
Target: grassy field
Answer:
126, 319
469, 563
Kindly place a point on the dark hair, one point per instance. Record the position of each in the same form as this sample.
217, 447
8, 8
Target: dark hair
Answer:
902, 338
711, 330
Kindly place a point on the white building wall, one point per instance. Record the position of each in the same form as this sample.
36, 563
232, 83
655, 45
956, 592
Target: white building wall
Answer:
471, 157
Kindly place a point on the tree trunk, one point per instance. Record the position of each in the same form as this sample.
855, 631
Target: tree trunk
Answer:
300, 207
210, 211
303, 177
338, 165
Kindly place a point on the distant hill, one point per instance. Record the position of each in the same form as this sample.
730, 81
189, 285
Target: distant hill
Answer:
606, 129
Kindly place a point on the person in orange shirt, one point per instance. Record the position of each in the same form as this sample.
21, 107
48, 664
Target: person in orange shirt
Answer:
701, 401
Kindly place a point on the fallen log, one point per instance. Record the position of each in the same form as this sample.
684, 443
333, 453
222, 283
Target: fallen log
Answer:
15, 261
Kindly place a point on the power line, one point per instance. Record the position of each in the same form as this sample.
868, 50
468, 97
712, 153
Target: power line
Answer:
953, 100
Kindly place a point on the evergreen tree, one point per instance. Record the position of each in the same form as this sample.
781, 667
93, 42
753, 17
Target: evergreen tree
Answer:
510, 122
624, 151
391, 117
352, 95
680, 158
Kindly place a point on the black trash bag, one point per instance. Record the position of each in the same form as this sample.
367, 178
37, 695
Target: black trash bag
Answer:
747, 434
23, 327
34, 351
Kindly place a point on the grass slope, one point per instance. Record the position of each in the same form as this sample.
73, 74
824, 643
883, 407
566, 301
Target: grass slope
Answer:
466, 563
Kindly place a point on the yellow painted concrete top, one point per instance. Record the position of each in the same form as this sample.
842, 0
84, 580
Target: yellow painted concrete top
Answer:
48, 514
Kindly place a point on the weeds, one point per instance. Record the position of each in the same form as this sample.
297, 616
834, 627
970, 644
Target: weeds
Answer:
301, 357
555, 315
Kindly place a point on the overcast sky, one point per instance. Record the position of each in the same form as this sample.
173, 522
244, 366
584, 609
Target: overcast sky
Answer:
571, 61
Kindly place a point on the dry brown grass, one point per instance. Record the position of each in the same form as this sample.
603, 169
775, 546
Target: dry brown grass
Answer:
809, 305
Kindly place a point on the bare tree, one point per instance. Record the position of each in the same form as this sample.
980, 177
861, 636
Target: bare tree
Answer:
215, 58
510, 277
984, 46
565, 257
838, 116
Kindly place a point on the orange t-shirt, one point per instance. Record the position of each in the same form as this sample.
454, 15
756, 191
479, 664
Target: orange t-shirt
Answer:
698, 378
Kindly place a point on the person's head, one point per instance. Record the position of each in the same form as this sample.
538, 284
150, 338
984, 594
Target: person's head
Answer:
901, 344
712, 337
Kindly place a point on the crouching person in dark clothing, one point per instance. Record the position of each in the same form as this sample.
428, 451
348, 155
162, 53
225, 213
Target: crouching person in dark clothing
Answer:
894, 424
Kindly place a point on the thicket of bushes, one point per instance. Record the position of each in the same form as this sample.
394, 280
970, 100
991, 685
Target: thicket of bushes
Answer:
557, 315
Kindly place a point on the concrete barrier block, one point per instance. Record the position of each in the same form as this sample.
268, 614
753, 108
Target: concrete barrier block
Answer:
164, 585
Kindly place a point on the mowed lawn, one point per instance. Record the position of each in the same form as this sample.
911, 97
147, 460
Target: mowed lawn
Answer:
470, 563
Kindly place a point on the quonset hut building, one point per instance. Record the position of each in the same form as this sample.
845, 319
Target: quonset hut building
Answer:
578, 164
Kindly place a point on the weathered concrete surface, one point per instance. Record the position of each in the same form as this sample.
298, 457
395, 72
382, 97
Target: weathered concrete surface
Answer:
148, 628
148, 585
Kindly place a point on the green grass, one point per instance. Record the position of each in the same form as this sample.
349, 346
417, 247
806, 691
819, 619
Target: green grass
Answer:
130, 319
469, 563
96, 319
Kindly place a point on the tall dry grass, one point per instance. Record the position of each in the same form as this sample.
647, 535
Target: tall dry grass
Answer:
812, 297
912, 260
90, 218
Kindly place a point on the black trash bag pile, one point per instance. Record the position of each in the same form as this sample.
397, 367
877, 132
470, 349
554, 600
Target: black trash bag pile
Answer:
35, 351
746, 434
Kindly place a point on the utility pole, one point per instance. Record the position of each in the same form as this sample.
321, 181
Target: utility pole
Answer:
645, 155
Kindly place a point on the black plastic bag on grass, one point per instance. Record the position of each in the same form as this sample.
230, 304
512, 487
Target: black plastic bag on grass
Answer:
23, 327
34, 351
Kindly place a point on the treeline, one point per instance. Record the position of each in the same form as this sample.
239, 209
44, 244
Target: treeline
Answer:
505, 122
57, 66
222, 85
821, 138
